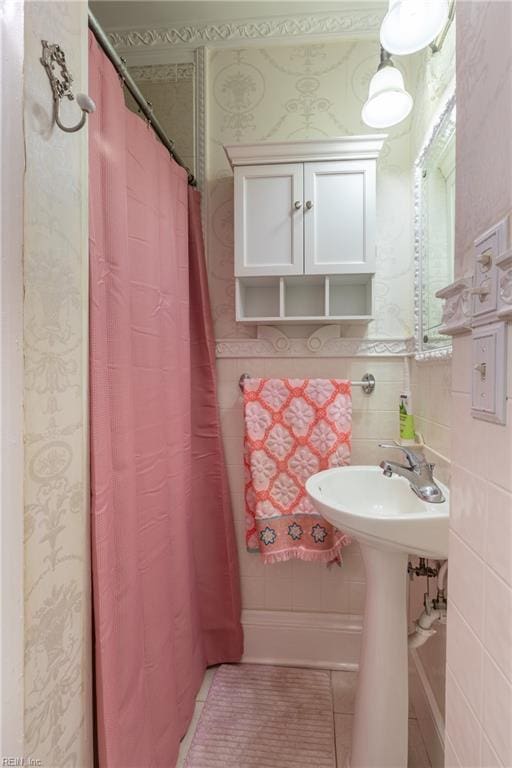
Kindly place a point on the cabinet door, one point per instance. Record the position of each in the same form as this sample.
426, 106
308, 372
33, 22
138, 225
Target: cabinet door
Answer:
269, 220
339, 217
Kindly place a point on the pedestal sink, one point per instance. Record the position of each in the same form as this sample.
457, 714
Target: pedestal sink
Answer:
390, 522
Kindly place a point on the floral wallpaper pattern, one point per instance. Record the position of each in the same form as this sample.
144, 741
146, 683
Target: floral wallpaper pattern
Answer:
483, 87
170, 90
435, 75
58, 714
286, 92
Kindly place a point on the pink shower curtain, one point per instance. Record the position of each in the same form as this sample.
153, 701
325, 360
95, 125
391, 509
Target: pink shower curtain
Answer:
165, 571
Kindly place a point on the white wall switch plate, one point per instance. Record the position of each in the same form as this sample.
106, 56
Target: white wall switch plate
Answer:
488, 248
489, 382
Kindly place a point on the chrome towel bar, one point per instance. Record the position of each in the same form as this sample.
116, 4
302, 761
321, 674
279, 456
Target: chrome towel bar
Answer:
367, 383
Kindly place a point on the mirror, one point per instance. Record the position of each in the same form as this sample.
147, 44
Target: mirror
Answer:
434, 186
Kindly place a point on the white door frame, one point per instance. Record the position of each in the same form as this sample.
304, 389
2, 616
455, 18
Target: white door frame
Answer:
11, 378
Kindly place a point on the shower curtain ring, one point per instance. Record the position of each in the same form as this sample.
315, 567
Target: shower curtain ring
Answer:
54, 57
148, 117
121, 75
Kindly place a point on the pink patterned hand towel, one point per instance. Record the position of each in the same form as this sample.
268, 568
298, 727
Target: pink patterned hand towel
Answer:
293, 428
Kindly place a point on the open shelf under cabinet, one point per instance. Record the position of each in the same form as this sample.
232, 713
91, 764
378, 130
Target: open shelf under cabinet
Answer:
305, 299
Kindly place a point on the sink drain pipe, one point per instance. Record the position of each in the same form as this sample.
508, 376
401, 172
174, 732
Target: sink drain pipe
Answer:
434, 610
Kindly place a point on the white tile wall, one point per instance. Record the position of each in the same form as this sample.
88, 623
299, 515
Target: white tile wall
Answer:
498, 622
463, 647
450, 758
498, 538
489, 758
431, 384
462, 725
431, 390
480, 597
295, 585
496, 713
468, 508
466, 583
479, 660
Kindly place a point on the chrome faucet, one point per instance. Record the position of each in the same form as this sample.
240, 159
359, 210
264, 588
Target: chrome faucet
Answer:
419, 473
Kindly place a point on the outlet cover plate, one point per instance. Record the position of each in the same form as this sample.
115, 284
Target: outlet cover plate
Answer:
489, 374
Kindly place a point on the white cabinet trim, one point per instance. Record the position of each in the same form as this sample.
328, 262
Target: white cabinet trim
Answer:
303, 151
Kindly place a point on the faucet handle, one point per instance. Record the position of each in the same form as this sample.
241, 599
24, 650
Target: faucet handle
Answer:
414, 459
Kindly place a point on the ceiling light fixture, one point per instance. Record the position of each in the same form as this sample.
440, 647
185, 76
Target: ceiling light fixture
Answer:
411, 25
388, 102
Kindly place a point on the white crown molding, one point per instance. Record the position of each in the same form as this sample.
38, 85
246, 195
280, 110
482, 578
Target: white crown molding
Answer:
351, 22
164, 72
200, 67
365, 147
337, 347
348, 23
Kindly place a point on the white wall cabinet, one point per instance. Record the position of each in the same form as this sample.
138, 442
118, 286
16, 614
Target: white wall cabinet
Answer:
339, 217
305, 222
269, 232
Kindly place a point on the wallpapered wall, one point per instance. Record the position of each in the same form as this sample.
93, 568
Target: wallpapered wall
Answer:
57, 575
434, 75
170, 90
292, 92
308, 91
288, 92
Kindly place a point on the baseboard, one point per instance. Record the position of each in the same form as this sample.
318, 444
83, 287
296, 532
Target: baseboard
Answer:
321, 640
430, 719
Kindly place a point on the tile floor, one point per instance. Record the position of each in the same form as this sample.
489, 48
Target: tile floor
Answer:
343, 689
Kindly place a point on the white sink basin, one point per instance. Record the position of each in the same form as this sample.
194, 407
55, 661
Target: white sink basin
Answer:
381, 511
390, 522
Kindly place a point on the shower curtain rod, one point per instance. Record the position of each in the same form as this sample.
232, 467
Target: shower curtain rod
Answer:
137, 94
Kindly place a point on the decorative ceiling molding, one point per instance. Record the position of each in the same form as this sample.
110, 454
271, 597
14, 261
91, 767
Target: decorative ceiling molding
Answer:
337, 347
166, 72
351, 22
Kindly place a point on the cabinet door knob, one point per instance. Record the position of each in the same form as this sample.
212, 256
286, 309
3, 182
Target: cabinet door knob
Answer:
297, 205
309, 204
485, 258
